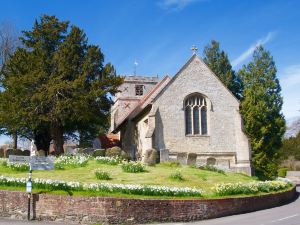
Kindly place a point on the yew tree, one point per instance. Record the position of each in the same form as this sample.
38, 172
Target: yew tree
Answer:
217, 60
261, 107
57, 84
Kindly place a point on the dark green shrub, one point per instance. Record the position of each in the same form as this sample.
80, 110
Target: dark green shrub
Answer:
150, 157
281, 172
133, 167
41, 153
102, 175
113, 152
176, 176
99, 152
18, 152
26, 153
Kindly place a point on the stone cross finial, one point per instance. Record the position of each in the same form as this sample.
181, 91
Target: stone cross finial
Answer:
194, 49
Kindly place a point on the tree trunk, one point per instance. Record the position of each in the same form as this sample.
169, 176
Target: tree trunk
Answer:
42, 139
58, 138
15, 140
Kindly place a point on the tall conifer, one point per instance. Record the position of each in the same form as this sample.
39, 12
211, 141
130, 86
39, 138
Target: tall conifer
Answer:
219, 63
261, 110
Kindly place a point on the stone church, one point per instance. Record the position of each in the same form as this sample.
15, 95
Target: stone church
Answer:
191, 117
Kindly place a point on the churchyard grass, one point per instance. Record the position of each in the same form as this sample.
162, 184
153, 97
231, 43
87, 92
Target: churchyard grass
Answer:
155, 175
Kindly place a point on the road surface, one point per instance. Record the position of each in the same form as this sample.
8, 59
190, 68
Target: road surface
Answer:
284, 215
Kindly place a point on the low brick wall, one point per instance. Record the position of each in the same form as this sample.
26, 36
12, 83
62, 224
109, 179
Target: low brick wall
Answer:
89, 210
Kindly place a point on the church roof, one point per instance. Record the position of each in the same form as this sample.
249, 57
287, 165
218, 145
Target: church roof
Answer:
144, 102
160, 88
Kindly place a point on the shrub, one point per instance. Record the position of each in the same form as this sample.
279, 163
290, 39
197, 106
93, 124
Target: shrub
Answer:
1, 153
176, 176
281, 172
113, 152
9, 152
133, 167
212, 168
18, 152
108, 160
150, 157
102, 175
171, 164
99, 152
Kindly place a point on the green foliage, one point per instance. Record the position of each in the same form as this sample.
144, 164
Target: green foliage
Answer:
99, 152
281, 172
56, 84
133, 167
261, 110
212, 168
171, 164
102, 175
219, 63
176, 176
113, 152
291, 147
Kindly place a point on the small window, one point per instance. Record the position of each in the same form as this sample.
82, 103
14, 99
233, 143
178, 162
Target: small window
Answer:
138, 90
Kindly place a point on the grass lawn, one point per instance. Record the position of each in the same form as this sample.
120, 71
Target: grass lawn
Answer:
156, 175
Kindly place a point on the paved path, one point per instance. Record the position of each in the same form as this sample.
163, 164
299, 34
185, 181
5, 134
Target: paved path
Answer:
284, 215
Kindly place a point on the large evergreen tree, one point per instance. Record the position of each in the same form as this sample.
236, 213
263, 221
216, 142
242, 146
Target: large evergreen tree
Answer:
56, 85
219, 63
261, 110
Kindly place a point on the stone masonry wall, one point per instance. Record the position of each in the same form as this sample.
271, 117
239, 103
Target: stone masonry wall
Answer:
225, 133
89, 210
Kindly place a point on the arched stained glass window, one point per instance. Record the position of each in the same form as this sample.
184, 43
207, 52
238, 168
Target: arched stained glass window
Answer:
203, 120
196, 115
188, 120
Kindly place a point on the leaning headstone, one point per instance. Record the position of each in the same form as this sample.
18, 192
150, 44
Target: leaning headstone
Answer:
149, 157
26, 153
96, 143
9, 152
182, 158
164, 155
191, 159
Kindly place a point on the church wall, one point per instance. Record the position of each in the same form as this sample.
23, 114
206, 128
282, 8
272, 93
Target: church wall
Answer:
224, 122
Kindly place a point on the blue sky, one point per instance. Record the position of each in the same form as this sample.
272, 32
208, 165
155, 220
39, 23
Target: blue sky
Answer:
159, 33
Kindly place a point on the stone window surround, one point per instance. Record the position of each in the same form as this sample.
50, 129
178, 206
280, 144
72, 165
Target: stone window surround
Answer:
206, 103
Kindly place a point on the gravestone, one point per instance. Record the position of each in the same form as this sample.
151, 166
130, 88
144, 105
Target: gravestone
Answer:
182, 158
88, 151
9, 152
96, 143
149, 157
191, 160
26, 153
164, 155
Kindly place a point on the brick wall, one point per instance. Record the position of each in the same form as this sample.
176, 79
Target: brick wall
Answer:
89, 210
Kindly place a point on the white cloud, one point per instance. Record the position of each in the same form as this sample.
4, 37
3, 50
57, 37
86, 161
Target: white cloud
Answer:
246, 54
290, 83
176, 5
